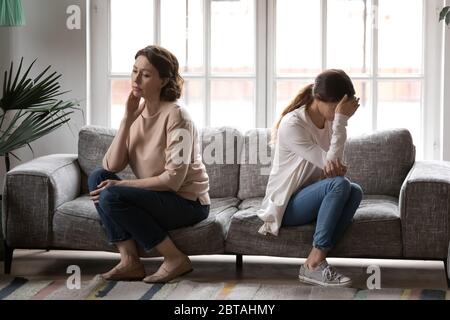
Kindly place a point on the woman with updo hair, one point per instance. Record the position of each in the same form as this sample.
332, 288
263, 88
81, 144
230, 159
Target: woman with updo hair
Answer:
171, 189
307, 183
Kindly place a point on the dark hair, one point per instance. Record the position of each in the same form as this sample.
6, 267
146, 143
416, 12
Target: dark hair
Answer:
330, 86
168, 68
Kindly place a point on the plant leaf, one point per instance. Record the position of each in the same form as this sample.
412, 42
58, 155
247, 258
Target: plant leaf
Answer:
444, 13
24, 78
15, 156
36, 109
26, 132
8, 86
17, 74
32, 151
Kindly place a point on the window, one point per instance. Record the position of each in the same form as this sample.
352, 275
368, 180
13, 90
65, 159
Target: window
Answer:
217, 58
387, 72
400, 67
243, 61
126, 36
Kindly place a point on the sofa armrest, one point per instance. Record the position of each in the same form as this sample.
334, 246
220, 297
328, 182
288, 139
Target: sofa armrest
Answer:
425, 210
31, 194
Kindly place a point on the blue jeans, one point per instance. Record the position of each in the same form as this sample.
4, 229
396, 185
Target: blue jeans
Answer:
141, 214
331, 202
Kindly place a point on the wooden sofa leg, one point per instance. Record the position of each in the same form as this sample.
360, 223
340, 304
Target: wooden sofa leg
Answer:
8, 258
239, 262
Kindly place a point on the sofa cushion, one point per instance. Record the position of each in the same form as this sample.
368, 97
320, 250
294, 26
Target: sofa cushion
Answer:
221, 148
93, 142
379, 162
375, 232
77, 225
256, 162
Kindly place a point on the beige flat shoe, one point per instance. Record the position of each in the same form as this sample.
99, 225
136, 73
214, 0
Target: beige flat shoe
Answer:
166, 275
132, 273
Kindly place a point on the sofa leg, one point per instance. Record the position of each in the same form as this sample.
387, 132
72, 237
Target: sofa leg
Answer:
446, 272
8, 257
239, 262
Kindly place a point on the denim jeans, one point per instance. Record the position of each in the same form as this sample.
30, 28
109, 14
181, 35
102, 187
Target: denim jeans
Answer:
331, 202
141, 214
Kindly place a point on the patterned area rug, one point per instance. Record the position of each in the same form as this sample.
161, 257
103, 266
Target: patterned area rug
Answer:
97, 289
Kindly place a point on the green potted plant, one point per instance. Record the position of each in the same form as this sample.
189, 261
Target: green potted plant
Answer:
445, 15
29, 109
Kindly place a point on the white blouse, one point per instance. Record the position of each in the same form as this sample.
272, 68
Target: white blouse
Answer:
301, 152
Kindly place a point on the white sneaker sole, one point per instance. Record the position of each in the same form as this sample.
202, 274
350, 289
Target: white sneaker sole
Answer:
324, 284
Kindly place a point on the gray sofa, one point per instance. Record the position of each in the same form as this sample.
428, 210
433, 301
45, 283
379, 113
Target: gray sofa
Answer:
405, 213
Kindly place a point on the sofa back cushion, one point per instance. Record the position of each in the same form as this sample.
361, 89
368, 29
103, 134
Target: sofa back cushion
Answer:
239, 165
93, 142
221, 148
256, 161
379, 162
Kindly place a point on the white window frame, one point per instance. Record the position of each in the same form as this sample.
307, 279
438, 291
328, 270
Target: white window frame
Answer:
207, 77
433, 94
430, 68
434, 60
443, 62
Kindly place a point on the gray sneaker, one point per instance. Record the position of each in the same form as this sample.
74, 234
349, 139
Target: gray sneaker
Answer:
324, 275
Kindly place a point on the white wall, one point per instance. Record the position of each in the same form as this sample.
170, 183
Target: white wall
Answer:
47, 38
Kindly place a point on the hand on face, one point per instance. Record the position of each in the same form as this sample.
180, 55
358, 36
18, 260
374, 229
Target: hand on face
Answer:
348, 106
334, 169
133, 109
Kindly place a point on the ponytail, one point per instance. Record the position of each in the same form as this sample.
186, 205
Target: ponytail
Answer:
304, 98
329, 86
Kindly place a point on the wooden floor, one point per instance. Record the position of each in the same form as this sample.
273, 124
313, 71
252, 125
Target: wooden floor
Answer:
393, 273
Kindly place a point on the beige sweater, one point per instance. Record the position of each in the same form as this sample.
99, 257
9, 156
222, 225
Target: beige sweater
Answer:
301, 152
165, 145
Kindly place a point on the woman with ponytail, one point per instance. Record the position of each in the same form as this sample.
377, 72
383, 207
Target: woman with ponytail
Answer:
307, 182
170, 192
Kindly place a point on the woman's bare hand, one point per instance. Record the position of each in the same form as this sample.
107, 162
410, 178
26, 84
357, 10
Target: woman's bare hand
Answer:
334, 169
348, 106
95, 195
133, 109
